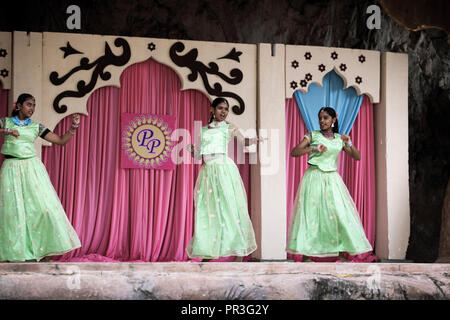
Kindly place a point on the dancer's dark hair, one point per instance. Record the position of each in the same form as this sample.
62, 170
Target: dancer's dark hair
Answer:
21, 99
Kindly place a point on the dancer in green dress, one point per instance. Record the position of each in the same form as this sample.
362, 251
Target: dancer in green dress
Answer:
325, 221
222, 224
33, 223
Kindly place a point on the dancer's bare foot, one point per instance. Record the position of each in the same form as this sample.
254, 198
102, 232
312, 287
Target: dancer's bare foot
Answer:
238, 259
342, 258
306, 259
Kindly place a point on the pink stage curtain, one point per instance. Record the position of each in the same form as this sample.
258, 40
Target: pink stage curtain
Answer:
128, 214
359, 176
3, 114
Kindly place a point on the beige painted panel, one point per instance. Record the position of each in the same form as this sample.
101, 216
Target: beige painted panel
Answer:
27, 73
397, 153
5, 59
272, 165
93, 47
382, 226
391, 148
27, 68
308, 64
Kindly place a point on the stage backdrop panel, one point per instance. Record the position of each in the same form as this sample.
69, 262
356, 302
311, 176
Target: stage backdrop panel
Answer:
5, 60
75, 65
359, 69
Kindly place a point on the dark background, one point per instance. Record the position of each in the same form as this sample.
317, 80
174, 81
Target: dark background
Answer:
336, 23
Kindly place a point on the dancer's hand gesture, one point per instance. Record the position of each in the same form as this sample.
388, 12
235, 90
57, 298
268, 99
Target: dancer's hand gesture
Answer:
75, 118
345, 138
322, 148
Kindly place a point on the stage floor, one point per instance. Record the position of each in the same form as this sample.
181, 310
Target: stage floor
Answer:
224, 281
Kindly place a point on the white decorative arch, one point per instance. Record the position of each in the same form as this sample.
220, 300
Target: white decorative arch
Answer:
309, 64
64, 54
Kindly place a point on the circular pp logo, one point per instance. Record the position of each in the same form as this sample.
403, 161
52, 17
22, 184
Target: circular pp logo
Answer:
146, 141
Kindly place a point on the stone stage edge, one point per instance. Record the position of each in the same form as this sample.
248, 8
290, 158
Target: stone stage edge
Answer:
224, 281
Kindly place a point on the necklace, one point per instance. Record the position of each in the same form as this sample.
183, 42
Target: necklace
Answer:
216, 124
327, 134
21, 123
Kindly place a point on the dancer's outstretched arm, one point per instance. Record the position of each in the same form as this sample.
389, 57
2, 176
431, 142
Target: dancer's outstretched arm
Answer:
235, 131
54, 138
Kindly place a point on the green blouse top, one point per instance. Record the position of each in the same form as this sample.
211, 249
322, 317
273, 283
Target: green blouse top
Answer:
23, 146
215, 140
326, 161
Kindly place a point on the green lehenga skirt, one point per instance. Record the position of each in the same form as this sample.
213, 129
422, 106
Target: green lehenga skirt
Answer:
325, 220
33, 223
222, 223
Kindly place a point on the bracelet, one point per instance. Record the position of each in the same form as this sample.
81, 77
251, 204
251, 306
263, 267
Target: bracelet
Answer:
6, 131
75, 126
349, 144
315, 148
